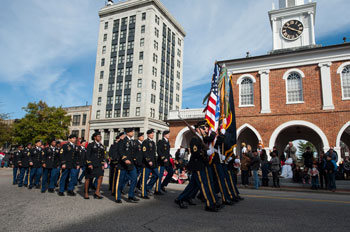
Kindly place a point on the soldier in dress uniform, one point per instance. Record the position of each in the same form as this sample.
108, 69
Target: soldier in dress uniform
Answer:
163, 150
113, 152
35, 161
149, 164
15, 162
199, 179
95, 165
48, 164
138, 157
70, 165
55, 172
82, 155
233, 169
126, 167
24, 166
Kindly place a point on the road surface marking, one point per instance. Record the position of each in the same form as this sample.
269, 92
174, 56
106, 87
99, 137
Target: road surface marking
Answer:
297, 199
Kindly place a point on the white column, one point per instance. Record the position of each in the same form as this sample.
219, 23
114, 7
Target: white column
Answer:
111, 137
265, 91
276, 40
312, 28
326, 83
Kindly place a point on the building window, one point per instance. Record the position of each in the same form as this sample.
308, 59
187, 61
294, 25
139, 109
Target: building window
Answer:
104, 50
152, 113
154, 85
82, 134
101, 74
114, 36
131, 45
132, 19
118, 99
126, 113
99, 101
108, 113
139, 83
138, 97
109, 100
117, 113
127, 85
155, 58
104, 37
156, 20
100, 87
114, 48
130, 58
178, 52
143, 29
140, 69
113, 60
75, 132
177, 98
120, 72
128, 71
179, 42
127, 98
294, 88
154, 71
178, 75
137, 112
143, 16
119, 86
124, 21
122, 34
98, 114
103, 62
156, 32
142, 42
84, 120
153, 99
177, 86
178, 64
345, 82
246, 92
106, 25
121, 59
122, 47
156, 45
111, 87
141, 56
76, 120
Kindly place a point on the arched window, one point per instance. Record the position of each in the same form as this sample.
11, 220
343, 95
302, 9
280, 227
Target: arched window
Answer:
345, 79
294, 88
247, 92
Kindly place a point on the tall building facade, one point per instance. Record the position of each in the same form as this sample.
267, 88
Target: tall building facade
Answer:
80, 117
139, 68
299, 91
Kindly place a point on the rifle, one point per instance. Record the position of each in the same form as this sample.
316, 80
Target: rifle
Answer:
205, 146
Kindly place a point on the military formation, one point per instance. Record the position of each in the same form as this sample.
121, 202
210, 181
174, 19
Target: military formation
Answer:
139, 163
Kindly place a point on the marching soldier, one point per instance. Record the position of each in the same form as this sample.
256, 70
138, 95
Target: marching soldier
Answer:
24, 165
48, 164
82, 155
199, 179
55, 172
149, 163
69, 158
35, 161
126, 167
95, 165
138, 157
163, 150
113, 153
15, 162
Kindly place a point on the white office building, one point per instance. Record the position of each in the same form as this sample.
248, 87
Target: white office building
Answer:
139, 68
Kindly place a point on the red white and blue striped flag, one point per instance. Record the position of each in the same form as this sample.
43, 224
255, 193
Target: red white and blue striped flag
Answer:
212, 114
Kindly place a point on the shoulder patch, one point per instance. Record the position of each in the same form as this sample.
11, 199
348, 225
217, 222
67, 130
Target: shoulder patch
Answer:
61, 152
144, 149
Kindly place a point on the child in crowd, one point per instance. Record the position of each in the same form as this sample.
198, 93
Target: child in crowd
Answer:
275, 167
297, 176
331, 168
314, 173
306, 176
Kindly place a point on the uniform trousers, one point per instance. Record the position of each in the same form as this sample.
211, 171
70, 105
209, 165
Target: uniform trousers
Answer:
222, 185
168, 177
45, 180
82, 175
73, 178
122, 176
24, 174
55, 172
35, 175
234, 180
15, 176
154, 178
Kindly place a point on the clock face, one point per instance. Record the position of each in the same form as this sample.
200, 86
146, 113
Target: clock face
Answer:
292, 29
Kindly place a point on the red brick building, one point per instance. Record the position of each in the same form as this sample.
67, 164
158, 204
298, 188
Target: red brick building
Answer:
298, 91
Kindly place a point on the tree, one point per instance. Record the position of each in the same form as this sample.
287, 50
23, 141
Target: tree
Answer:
41, 122
302, 145
5, 130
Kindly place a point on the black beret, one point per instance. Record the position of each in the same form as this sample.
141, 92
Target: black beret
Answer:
29, 144
121, 134
117, 137
128, 130
95, 134
72, 136
200, 124
38, 140
140, 134
166, 132
58, 142
51, 140
20, 145
150, 131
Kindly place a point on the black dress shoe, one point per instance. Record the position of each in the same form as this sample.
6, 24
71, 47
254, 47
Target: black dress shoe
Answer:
20, 186
118, 201
158, 193
133, 199
163, 189
51, 191
37, 187
30, 187
201, 198
240, 198
43, 191
190, 202
25, 185
228, 203
71, 193
61, 194
86, 198
211, 209
181, 204
235, 199
97, 196
146, 197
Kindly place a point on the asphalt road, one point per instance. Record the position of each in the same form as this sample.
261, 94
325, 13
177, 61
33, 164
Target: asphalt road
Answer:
29, 210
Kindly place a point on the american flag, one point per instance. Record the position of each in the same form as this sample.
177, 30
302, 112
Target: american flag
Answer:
213, 108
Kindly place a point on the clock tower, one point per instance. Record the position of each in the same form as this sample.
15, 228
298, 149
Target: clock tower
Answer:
293, 25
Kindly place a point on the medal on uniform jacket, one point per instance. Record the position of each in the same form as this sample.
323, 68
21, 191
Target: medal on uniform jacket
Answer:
95, 146
144, 149
150, 144
195, 149
165, 147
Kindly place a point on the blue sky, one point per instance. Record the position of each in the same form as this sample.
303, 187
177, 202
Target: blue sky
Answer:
48, 48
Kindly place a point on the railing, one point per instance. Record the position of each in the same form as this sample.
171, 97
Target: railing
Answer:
186, 114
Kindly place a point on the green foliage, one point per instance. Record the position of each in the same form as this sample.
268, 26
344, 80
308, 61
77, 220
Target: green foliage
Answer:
5, 130
41, 122
302, 145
